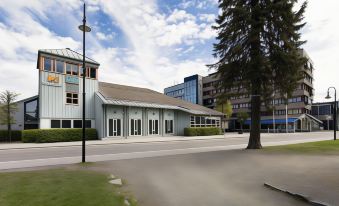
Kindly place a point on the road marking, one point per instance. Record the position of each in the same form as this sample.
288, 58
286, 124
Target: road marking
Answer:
133, 155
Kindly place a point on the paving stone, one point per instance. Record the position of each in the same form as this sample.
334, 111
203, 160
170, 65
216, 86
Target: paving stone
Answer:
116, 182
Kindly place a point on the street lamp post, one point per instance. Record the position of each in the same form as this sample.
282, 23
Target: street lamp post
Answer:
84, 28
334, 110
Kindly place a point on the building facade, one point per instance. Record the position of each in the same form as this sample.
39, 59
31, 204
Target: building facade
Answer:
114, 110
190, 90
296, 114
324, 112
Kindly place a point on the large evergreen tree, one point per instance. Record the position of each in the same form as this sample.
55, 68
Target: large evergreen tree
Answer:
259, 45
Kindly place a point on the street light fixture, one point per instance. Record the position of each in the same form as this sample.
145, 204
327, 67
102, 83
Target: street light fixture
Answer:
334, 110
84, 28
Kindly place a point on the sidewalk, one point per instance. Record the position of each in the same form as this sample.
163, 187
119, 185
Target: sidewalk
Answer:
128, 140
144, 139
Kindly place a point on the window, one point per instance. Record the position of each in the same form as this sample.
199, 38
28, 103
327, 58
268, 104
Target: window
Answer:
88, 123
72, 69
169, 126
201, 121
77, 123
153, 127
66, 124
55, 123
93, 73
114, 127
59, 66
72, 98
48, 64
135, 127
82, 70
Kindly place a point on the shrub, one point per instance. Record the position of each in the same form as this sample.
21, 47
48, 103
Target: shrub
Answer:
202, 131
16, 136
57, 135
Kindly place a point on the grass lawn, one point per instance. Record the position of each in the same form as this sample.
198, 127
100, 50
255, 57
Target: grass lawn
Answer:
321, 147
59, 187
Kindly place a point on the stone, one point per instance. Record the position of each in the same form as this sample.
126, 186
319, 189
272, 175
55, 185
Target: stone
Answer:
127, 202
116, 182
112, 176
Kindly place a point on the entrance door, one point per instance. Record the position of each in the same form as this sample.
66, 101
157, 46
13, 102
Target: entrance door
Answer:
135, 127
169, 126
114, 127
153, 126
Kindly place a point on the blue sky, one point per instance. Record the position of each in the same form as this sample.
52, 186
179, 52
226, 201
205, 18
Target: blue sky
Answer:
147, 43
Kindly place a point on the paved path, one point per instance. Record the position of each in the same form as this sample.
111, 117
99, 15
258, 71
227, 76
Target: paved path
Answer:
68, 153
222, 178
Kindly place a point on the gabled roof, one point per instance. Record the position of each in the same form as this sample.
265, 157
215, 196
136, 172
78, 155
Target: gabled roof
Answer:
115, 94
69, 54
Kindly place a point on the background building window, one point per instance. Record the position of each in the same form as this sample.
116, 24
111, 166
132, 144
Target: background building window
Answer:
72, 98
60, 67
66, 124
48, 65
55, 123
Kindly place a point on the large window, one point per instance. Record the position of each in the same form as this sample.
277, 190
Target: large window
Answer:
135, 127
201, 121
153, 126
114, 127
72, 98
169, 126
48, 64
60, 66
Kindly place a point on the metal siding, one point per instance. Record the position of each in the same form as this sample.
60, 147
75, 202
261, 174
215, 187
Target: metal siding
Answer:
183, 121
99, 112
53, 98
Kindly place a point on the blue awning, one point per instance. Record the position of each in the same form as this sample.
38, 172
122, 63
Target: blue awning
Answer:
277, 121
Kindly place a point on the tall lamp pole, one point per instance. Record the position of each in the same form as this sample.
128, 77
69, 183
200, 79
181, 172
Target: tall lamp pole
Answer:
334, 110
84, 28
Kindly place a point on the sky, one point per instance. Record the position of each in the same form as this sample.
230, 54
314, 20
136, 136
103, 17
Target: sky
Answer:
146, 43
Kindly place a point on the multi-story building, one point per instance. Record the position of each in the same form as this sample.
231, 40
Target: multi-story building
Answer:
113, 110
190, 90
297, 110
324, 112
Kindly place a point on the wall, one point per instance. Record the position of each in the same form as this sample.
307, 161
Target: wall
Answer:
52, 102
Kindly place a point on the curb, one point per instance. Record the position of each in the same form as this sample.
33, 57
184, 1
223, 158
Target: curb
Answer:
301, 197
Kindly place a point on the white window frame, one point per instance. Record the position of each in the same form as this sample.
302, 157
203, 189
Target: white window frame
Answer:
135, 128
165, 127
153, 126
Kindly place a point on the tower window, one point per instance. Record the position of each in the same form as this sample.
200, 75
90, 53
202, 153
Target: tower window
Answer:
48, 64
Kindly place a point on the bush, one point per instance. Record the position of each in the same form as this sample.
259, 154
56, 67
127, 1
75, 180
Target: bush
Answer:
16, 136
202, 131
57, 135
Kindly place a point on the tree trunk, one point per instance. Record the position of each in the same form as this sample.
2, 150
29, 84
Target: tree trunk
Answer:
9, 128
254, 141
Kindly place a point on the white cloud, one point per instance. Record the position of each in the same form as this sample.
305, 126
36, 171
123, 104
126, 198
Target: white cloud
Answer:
104, 37
207, 17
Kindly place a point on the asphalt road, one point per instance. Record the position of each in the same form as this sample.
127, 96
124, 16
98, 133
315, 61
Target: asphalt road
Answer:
32, 157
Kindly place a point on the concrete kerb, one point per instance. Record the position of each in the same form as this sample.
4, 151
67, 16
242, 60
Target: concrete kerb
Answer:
299, 196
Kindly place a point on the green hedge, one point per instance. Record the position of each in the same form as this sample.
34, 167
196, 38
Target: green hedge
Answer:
16, 136
57, 135
202, 131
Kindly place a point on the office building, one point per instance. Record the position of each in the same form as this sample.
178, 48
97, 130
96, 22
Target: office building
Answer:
298, 109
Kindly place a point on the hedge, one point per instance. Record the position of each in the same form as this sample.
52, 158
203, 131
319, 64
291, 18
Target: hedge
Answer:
16, 136
202, 131
57, 135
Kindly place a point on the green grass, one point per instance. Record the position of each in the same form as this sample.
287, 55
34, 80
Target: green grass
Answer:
59, 187
321, 147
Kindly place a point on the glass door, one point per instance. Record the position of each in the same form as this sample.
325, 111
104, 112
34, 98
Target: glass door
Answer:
114, 127
153, 126
135, 127
169, 126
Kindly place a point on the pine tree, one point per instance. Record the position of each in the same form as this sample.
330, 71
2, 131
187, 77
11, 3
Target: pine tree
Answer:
259, 45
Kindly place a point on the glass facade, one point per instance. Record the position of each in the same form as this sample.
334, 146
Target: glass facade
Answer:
188, 91
31, 116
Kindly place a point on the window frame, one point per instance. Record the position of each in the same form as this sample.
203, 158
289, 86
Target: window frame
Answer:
72, 98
